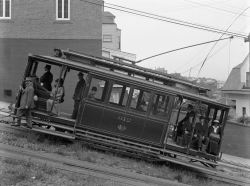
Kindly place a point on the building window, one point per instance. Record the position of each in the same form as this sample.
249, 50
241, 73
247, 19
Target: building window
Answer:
244, 111
5, 9
63, 9
107, 38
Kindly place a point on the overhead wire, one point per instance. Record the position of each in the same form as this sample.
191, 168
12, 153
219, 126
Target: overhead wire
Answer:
212, 48
183, 23
167, 19
216, 8
217, 51
212, 55
175, 21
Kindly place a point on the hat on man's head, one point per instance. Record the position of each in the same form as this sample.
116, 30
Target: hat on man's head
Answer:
48, 67
80, 74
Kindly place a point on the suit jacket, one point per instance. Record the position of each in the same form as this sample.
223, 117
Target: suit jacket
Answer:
47, 79
200, 129
78, 90
27, 97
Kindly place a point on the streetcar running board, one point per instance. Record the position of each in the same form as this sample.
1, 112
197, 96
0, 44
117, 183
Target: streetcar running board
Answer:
52, 132
53, 124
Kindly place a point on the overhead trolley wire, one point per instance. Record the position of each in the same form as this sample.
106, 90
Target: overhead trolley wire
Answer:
196, 65
180, 22
167, 19
216, 8
220, 38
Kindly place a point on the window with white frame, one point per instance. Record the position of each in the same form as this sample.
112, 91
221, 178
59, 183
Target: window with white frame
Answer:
5, 9
63, 9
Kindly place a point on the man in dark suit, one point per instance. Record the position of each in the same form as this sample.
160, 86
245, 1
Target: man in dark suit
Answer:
77, 94
186, 122
200, 133
47, 78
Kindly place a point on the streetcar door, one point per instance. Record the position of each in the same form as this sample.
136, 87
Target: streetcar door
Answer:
114, 119
137, 113
157, 123
92, 108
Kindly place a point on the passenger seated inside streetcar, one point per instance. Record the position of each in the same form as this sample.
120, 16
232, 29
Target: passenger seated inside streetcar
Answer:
56, 97
92, 93
37, 85
142, 106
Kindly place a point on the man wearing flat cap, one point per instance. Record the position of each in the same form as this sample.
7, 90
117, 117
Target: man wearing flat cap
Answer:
26, 102
77, 94
47, 78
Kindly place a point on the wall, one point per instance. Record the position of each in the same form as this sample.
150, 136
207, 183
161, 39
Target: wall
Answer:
244, 68
111, 29
37, 19
241, 101
14, 54
33, 28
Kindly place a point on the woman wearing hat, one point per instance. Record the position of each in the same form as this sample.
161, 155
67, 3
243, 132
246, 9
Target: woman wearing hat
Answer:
214, 134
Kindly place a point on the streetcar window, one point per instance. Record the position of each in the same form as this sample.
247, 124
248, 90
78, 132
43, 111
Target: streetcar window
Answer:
119, 94
211, 113
160, 105
140, 100
97, 89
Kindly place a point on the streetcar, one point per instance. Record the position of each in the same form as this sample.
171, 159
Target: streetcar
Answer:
133, 110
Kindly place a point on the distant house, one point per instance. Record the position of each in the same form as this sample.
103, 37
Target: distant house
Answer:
111, 39
236, 90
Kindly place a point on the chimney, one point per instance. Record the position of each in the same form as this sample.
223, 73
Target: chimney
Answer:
248, 79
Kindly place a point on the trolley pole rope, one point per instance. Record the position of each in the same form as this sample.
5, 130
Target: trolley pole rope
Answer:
231, 37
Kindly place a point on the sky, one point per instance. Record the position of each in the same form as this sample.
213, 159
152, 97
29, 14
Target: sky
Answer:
146, 37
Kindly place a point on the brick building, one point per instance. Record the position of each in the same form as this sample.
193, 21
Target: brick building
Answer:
32, 26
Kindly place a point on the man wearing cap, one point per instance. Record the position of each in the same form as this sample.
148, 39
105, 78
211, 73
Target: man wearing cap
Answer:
47, 78
26, 102
77, 94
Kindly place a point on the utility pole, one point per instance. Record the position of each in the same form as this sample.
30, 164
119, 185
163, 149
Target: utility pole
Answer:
247, 74
248, 40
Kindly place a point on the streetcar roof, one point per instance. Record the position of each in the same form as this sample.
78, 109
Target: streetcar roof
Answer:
129, 79
134, 68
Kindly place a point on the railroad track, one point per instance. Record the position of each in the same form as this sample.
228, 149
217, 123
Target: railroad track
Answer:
86, 168
216, 174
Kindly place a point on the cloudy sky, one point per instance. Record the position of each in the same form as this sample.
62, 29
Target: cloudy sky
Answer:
146, 37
